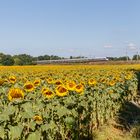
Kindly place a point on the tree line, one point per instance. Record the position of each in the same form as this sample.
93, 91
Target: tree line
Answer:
124, 58
25, 59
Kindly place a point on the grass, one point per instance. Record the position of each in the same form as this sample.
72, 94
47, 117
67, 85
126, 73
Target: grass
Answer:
109, 132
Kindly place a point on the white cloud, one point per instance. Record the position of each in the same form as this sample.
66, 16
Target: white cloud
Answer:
131, 46
107, 46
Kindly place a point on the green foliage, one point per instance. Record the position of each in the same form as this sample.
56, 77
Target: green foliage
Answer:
47, 57
23, 59
18, 61
136, 57
74, 116
7, 60
121, 58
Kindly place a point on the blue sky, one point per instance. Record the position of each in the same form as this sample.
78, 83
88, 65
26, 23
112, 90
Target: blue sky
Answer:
70, 27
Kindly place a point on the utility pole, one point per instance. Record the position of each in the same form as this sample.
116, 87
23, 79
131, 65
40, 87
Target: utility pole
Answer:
126, 54
137, 56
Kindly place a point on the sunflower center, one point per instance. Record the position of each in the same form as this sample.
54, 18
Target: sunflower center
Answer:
62, 90
79, 86
37, 82
71, 85
58, 83
48, 93
16, 94
29, 86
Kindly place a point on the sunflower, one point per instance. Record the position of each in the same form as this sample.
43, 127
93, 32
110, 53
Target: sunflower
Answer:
15, 93
128, 77
50, 81
79, 88
92, 82
5, 80
12, 79
61, 91
37, 118
37, 82
47, 93
111, 91
71, 85
29, 86
43, 89
58, 82
112, 83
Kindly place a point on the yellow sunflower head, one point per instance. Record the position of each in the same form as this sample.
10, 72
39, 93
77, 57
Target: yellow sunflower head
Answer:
29, 86
71, 85
38, 119
112, 83
12, 79
110, 91
103, 80
128, 77
15, 93
50, 81
92, 82
37, 82
79, 89
58, 82
6, 80
47, 93
61, 91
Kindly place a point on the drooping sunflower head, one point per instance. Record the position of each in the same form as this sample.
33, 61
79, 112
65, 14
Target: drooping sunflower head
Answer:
12, 79
37, 119
37, 82
29, 86
47, 93
71, 85
15, 93
61, 91
79, 88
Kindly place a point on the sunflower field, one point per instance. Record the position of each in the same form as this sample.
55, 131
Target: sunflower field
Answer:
61, 102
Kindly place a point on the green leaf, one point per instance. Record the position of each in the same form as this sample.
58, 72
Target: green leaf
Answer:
74, 112
52, 125
63, 111
2, 132
32, 125
4, 117
45, 127
27, 106
69, 121
9, 110
27, 114
15, 131
34, 136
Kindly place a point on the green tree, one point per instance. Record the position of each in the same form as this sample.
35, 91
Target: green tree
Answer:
7, 60
136, 57
23, 59
18, 61
1, 56
123, 58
